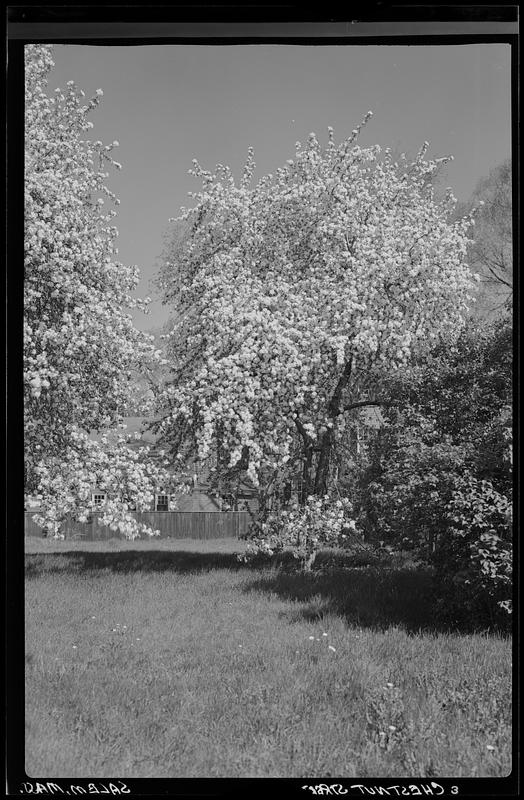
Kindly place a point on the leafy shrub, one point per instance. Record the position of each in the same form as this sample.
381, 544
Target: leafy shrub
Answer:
474, 559
405, 490
303, 530
439, 475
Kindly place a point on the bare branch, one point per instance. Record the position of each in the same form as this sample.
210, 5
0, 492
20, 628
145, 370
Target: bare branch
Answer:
499, 277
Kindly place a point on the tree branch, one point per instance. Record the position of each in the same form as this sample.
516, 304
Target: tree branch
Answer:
350, 245
334, 403
308, 439
499, 278
363, 403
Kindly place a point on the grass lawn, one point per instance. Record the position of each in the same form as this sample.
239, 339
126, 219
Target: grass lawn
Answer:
172, 659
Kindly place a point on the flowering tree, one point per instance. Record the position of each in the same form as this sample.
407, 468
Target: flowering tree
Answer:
294, 296
80, 345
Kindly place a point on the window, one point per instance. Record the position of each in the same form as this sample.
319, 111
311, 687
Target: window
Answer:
99, 498
162, 502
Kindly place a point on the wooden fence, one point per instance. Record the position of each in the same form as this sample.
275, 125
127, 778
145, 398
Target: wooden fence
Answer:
174, 524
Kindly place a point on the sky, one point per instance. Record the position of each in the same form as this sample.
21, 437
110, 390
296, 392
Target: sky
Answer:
168, 104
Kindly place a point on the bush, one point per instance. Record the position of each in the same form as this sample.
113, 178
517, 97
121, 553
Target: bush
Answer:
304, 530
439, 475
473, 561
407, 486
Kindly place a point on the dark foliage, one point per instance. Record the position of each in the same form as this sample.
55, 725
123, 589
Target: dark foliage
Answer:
439, 475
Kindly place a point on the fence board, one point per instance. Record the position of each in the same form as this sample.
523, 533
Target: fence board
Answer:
171, 524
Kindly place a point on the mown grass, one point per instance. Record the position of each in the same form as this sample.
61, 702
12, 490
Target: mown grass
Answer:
168, 663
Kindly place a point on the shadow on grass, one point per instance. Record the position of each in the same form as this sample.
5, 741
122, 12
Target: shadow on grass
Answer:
127, 561
144, 561
368, 598
377, 597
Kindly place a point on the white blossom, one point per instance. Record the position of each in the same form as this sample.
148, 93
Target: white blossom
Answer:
341, 258
80, 346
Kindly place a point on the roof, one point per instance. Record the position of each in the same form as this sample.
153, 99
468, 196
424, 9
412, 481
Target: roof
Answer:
196, 501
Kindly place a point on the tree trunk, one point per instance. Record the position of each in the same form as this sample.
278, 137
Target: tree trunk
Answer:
322, 473
306, 475
328, 438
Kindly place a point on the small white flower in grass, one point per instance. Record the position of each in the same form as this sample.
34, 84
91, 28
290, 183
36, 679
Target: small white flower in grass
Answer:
392, 728
311, 638
489, 747
332, 648
389, 685
75, 647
